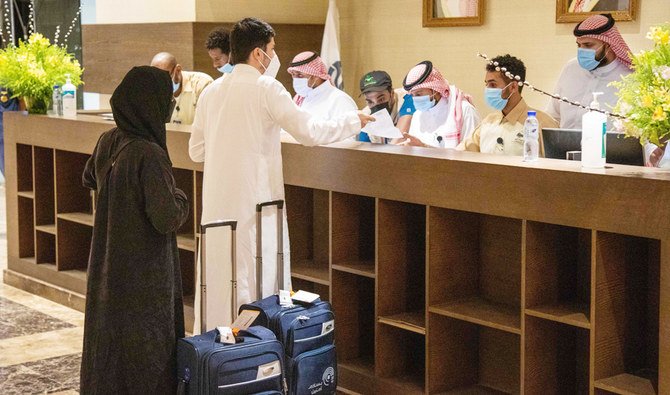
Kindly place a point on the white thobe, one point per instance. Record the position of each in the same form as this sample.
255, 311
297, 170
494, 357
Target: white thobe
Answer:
438, 121
578, 84
327, 102
236, 132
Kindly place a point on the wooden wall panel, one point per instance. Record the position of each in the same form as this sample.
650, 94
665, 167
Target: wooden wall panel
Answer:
109, 51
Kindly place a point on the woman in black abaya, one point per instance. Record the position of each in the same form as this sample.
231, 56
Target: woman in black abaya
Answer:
134, 311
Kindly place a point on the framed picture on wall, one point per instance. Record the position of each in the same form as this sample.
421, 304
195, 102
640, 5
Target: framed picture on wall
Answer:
453, 13
568, 11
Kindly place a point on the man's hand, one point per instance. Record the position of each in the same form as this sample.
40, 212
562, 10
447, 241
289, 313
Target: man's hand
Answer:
411, 140
365, 119
655, 157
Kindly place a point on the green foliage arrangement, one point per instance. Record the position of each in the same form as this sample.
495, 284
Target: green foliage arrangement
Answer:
644, 95
32, 68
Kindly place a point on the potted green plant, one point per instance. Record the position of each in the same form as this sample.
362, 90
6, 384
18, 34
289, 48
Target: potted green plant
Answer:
32, 68
644, 95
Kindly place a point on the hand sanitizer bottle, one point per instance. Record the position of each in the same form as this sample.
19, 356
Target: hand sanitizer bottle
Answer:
69, 98
594, 129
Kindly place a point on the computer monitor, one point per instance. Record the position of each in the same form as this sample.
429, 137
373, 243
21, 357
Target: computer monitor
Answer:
620, 149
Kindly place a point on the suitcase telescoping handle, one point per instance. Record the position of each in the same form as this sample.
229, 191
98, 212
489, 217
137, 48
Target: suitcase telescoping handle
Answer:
259, 245
203, 269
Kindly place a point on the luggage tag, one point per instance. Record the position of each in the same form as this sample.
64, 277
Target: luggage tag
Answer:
305, 297
245, 319
225, 335
285, 298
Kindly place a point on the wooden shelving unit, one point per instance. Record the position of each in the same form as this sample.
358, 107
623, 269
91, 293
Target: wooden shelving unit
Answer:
474, 298
556, 357
462, 278
626, 315
308, 216
470, 358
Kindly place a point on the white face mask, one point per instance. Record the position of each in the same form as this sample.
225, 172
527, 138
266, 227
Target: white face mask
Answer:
301, 86
273, 67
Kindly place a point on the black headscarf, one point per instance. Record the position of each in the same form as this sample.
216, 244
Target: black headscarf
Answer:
142, 102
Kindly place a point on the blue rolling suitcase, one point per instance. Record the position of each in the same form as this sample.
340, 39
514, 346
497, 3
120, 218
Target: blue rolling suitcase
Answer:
307, 332
253, 365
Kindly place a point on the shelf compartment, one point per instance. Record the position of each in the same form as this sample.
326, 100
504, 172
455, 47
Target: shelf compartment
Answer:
26, 227
482, 312
359, 268
558, 273
308, 271
49, 228
471, 358
45, 246
307, 212
45, 206
627, 384
475, 268
71, 195
400, 360
556, 358
26, 194
186, 242
353, 228
568, 313
79, 218
184, 181
401, 262
412, 321
627, 310
73, 241
353, 301
24, 168
356, 375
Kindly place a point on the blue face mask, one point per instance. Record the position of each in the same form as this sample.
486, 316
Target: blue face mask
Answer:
587, 58
423, 103
494, 98
175, 86
226, 68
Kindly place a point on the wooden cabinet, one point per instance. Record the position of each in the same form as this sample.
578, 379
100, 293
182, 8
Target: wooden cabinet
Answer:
449, 273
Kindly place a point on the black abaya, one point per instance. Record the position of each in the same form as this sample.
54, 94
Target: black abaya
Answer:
134, 311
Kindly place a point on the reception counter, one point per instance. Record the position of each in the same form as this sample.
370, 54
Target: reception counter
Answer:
449, 272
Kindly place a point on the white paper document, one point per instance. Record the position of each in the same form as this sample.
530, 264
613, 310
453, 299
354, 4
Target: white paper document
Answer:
382, 126
304, 296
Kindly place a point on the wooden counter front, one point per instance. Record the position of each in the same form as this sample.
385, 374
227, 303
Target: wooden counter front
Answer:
448, 271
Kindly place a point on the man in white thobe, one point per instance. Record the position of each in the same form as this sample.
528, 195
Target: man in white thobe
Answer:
602, 57
444, 114
315, 93
237, 134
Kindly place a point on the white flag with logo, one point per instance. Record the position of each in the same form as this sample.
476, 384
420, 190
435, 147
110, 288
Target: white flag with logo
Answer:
330, 47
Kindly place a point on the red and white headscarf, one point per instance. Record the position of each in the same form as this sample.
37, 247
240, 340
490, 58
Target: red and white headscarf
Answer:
424, 75
601, 27
308, 63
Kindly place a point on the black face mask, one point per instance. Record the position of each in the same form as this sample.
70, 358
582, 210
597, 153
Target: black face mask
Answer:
380, 107
173, 104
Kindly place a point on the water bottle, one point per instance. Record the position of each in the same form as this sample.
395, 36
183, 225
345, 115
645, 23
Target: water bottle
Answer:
531, 143
69, 98
57, 101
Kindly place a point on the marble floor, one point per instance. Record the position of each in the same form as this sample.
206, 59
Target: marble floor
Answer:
40, 341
